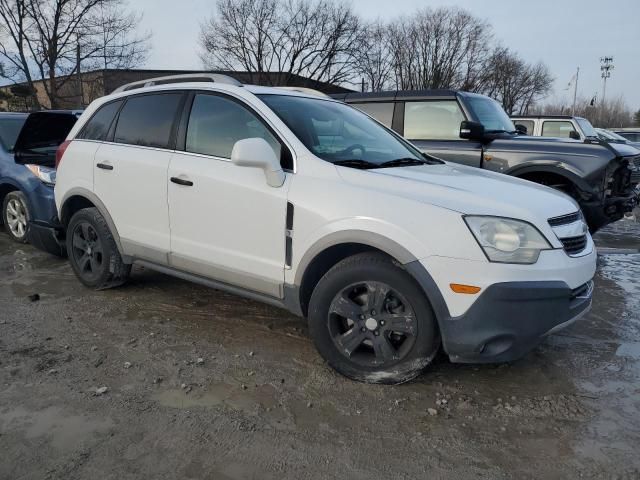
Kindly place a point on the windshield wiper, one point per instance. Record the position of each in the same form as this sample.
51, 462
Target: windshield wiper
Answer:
356, 163
512, 132
403, 162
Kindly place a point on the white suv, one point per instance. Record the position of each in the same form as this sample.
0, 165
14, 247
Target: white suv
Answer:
306, 203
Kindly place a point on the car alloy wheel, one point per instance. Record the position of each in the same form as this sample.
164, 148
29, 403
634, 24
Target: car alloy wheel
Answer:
16, 217
372, 325
87, 250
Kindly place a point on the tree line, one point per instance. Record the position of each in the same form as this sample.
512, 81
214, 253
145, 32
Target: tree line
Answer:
53, 39
326, 40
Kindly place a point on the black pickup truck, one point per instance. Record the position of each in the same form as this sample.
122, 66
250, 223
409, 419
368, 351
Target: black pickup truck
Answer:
474, 130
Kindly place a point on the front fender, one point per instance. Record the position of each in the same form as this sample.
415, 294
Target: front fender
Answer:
558, 168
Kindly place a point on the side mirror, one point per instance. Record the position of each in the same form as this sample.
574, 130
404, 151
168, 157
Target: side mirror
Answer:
575, 135
521, 129
471, 130
257, 153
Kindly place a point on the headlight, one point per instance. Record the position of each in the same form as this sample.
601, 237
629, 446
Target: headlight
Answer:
45, 174
507, 241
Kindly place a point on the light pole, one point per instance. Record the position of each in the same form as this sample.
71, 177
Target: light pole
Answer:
606, 65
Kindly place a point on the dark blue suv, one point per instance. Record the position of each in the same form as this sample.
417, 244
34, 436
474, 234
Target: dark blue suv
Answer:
28, 144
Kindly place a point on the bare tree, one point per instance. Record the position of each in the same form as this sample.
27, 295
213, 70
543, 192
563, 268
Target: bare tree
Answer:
373, 59
441, 48
613, 113
513, 82
50, 39
314, 38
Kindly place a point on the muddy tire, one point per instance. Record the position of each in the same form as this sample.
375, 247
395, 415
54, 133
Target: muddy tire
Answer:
16, 216
93, 252
372, 322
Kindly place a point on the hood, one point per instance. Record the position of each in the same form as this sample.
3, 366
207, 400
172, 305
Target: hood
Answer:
466, 190
623, 149
40, 137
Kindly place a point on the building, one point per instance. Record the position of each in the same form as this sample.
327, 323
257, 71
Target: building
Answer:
78, 91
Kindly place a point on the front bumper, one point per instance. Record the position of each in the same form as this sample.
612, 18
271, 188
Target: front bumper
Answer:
510, 319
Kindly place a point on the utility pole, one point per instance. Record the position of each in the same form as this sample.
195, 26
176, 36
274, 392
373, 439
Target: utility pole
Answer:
575, 93
606, 65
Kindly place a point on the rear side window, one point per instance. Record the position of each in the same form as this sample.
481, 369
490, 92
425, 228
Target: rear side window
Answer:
528, 124
557, 129
148, 120
98, 126
217, 123
382, 112
436, 120
9, 130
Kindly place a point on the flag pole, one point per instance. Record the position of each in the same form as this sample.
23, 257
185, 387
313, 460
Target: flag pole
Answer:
575, 92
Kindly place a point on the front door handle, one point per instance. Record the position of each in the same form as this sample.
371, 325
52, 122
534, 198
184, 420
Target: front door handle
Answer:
181, 181
104, 166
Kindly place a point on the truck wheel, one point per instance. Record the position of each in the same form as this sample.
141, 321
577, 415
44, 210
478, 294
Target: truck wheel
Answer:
372, 322
93, 252
16, 216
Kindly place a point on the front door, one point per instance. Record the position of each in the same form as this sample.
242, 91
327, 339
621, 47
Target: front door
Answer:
227, 223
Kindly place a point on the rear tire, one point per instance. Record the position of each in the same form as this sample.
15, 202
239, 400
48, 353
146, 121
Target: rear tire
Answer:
93, 252
372, 322
16, 216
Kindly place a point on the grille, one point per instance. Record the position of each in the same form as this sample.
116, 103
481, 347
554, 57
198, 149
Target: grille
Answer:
574, 245
635, 173
565, 219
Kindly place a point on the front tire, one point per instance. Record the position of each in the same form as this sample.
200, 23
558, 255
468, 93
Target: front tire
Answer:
16, 216
93, 252
372, 322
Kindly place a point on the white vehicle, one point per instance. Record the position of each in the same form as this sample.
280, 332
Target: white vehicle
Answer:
309, 204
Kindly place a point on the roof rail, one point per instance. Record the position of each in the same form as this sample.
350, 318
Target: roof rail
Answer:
188, 77
308, 91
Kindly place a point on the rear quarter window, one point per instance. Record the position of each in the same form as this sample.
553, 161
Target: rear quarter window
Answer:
148, 120
382, 112
98, 126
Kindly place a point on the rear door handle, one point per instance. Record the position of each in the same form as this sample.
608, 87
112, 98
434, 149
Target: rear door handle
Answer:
180, 181
104, 166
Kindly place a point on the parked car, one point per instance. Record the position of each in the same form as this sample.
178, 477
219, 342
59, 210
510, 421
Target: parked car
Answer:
474, 130
611, 137
28, 144
306, 203
631, 134
557, 126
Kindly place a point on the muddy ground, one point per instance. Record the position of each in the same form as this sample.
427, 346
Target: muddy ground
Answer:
165, 379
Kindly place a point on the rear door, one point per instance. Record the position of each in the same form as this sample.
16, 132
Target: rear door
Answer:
130, 172
434, 127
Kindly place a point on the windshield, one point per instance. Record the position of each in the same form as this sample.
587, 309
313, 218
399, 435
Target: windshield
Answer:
336, 132
490, 114
9, 130
587, 128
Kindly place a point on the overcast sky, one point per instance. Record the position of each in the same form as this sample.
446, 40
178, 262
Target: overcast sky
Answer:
564, 34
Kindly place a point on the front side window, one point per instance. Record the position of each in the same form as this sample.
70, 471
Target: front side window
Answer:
217, 123
382, 112
432, 120
9, 131
555, 128
337, 132
147, 120
587, 128
490, 114
98, 126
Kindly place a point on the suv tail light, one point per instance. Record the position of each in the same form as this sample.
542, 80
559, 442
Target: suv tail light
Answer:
60, 152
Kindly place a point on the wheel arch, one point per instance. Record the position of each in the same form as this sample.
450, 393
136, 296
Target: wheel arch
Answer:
78, 198
328, 251
560, 171
5, 189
